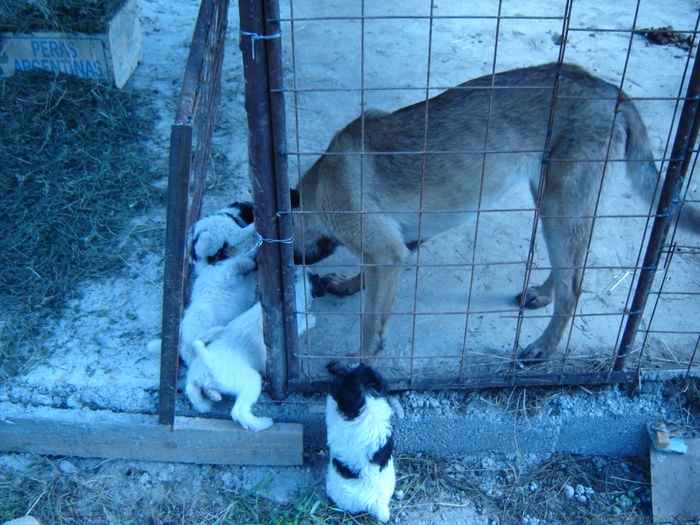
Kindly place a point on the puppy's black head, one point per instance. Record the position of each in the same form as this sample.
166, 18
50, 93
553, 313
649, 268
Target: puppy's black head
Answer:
352, 384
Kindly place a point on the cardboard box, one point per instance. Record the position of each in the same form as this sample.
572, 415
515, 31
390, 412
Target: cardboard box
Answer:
111, 56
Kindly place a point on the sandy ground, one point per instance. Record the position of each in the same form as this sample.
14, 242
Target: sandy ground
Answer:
96, 351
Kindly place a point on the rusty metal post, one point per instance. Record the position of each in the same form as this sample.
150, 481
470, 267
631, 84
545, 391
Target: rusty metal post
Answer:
668, 206
174, 271
264, 163
279, 137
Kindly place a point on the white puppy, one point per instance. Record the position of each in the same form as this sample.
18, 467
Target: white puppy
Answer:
220, 292
224, 283
214, 236
361, 475
233, 362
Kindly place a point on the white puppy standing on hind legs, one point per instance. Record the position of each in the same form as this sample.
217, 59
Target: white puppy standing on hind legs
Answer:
361, 475
234, 361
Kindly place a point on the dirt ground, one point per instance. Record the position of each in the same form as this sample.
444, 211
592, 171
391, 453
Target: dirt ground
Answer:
94, 354
391, 64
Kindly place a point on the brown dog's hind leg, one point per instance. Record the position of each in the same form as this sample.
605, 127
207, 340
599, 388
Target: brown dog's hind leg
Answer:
383, 253
568, 197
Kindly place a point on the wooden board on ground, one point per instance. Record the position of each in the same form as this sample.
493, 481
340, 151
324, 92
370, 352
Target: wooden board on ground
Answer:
139, 437
675, 484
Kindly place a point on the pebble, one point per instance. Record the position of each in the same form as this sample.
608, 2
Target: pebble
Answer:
569, 491
67, 467
581, 498
400, 494
579, 489
228, 480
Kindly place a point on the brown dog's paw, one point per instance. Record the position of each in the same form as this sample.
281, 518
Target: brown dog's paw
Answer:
534, 354
340, 284
534, 298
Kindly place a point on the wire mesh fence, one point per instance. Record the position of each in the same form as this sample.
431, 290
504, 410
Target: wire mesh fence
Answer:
455, 321
459, 318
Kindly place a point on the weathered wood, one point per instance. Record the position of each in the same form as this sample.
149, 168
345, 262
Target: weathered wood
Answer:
174, 268
675, 484
134, 436
111, 55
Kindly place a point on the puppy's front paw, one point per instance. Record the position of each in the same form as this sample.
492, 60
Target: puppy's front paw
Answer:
201, 405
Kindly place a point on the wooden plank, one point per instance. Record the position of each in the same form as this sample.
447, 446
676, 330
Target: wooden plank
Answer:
133, 436
675, 484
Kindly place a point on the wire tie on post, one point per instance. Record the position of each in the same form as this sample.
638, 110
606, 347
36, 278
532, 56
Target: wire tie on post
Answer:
255, 37
261, 240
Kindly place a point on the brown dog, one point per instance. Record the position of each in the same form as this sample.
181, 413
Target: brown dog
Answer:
479, 140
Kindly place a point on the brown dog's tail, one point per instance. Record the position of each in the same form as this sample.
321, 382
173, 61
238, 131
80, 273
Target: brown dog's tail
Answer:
642, 169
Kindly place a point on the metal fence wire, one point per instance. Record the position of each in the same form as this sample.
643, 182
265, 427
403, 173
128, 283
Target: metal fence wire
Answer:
455, 322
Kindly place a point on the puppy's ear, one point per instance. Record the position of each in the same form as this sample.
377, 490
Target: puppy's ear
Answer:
245, 211
371, 381
193, 253
294, 198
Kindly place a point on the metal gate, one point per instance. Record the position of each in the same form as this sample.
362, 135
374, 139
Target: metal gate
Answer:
411, 359
453, 325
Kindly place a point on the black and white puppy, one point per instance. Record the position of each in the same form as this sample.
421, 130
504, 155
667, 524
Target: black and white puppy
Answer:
212, 237
221, 291
361, 475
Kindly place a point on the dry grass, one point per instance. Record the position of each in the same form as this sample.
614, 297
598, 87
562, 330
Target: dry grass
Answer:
113, 492
620, 489
686, 394
76, 169
69, 16
103, 494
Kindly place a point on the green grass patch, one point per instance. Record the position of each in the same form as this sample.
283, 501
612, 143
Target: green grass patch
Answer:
75, 171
